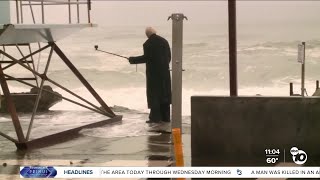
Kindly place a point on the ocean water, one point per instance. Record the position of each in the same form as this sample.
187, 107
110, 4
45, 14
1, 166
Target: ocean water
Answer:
267, 63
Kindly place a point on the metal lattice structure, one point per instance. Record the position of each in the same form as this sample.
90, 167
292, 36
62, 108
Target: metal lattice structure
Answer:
21, 6
18, 35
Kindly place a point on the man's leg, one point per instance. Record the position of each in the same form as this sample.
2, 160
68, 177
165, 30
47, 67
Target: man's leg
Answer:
165, 112
155, 114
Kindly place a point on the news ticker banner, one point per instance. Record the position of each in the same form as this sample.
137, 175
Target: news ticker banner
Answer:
168, 172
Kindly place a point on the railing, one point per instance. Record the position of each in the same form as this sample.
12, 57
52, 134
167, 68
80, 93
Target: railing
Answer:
22, 4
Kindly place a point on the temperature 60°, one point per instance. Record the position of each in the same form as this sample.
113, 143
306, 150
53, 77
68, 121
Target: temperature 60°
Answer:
272, 160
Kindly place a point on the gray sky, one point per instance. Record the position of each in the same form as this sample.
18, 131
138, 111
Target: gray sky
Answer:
198, 12
202, 12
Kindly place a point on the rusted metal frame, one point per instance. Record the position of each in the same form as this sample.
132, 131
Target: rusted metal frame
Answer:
53, 82
35, 108
82, 79
8, 137
25, 60
15, 62
39, 56
9, 62
34, 68
24, 79
11, 107
67, 99
20, 44
4, 49
104, 112
65, 135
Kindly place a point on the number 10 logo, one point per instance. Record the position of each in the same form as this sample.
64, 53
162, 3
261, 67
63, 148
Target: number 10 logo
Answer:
298, 156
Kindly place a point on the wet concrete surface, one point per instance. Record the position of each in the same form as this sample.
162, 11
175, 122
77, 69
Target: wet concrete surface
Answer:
152, 146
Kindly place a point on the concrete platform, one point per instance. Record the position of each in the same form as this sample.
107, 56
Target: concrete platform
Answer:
152, 146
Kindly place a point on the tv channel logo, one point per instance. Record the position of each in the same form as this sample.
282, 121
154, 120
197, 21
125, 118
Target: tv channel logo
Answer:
298, 156
38, 172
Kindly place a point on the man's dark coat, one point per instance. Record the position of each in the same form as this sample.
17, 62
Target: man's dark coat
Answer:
157, 56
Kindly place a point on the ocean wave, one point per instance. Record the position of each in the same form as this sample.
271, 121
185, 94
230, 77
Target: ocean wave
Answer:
130, 126
195, 45
258, 47
283, 45
289, 49
118, 36
99, 78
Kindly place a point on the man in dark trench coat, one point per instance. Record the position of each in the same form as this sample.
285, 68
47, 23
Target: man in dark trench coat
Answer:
157, 56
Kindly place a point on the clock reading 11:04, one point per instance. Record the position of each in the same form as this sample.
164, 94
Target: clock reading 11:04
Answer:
272, 151
272, 155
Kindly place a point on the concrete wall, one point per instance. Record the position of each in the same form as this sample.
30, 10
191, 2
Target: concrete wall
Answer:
234, 131
4, 12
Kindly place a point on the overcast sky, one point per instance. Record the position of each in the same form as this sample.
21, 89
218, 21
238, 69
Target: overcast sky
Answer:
199, 12
202, 12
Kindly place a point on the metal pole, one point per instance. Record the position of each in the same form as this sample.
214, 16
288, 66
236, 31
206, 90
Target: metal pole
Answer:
89, 8
69, 7
39, 95
291, 89
17, 12
42, 11
177, 45
33, 66
317, 84
28, 61
78, 13
11, 107
8, 137
303, 70
32, 14
232, 47
21, 12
